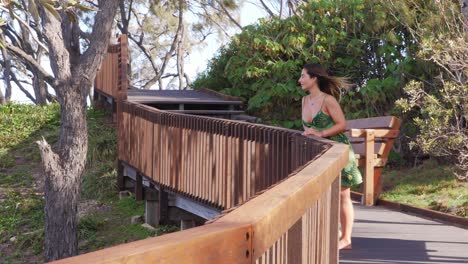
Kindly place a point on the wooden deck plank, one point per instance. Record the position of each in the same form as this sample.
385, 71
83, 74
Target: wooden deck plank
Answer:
384, 236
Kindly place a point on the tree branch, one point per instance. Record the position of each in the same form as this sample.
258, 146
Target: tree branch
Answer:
100, 37
168, 54
267, 9
229, 15
32, 62
21, 87
58, 54
26, 25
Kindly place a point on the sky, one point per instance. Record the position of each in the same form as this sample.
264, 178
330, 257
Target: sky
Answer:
197, 60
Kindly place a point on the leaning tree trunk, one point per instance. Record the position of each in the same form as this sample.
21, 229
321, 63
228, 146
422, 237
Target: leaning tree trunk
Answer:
63, 169
40, 89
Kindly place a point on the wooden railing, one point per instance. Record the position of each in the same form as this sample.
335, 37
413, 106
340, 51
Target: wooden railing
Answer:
111, 79
295, 221
219, 162
281, 189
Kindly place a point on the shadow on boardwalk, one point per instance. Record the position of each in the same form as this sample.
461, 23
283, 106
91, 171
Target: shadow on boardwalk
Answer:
385, 236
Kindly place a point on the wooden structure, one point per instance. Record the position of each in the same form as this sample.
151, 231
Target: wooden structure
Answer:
372, 140
200, 102
381, 235
278, 190
111, 82
112, 85
295, 221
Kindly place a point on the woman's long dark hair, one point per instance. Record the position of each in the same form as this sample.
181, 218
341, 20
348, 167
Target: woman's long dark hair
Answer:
327, 84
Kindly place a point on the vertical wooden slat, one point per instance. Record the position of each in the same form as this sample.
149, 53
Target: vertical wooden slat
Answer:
295, 242
334, 219
259, 160
369, 168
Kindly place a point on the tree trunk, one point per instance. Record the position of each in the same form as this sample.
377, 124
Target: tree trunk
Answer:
40, 89
6, 72
64, 169
2, 98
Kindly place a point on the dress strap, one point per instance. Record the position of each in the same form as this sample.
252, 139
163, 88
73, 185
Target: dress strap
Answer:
324, 97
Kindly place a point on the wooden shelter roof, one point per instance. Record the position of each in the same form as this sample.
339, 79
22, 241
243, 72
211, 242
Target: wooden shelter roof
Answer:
181, 97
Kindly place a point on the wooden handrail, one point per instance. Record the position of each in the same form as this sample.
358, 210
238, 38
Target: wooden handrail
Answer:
221, 162
275, 211
243, 235
282, 203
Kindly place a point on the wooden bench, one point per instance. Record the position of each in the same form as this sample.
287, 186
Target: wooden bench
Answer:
372, 139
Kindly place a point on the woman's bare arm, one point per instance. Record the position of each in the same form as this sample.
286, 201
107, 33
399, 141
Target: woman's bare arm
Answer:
333, 109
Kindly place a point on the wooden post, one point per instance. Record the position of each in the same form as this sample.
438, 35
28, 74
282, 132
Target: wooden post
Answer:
163, 207
120, 176
151, 206
369, 169
186, 224
138, 187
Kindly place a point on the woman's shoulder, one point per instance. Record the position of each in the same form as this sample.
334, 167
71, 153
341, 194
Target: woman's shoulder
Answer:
330, 103
330, 100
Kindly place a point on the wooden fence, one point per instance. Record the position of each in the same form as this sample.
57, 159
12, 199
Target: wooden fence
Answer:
281, 190
295, 221
111, 79
219, 162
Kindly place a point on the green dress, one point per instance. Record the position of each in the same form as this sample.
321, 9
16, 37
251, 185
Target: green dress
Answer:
350, 175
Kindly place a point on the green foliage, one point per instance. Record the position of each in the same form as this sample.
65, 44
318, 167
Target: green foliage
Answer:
438, 107
103, 228
6, 159
19, 177
19, 121
353, 38
129, 207
99, 177
20, 211
21, 206
439, 117
430, 185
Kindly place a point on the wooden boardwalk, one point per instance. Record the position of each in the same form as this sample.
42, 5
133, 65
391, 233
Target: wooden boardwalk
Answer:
385, 236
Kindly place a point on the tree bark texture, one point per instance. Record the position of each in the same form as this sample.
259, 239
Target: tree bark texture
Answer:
6, 73
63, 170
40, 89
2, 98
64, 164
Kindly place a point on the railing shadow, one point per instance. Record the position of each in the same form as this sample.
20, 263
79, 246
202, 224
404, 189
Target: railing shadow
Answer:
389, 250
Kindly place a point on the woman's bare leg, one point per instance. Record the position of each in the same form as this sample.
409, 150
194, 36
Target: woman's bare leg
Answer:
346, 218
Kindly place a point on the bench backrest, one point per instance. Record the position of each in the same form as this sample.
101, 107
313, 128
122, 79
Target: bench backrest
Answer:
372, 139
383, 140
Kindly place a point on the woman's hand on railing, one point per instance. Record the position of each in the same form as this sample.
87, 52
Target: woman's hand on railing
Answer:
312, 132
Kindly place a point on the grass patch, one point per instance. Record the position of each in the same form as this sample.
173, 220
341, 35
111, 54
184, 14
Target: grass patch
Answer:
99, 180
430, 185
19, 177
21, 226
21, 208
18, 122
6, 159
111, 226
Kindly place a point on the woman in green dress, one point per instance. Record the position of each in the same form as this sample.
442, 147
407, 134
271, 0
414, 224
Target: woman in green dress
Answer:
322, 117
